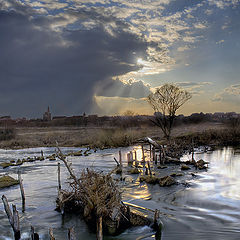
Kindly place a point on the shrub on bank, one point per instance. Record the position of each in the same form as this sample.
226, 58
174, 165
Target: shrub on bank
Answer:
228, 136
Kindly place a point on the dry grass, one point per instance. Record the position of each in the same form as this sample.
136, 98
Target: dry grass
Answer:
227, 136
96, 137
97, 192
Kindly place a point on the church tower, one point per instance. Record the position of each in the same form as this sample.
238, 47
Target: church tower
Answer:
47, 115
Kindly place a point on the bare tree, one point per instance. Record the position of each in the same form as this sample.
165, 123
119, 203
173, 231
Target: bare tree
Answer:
165, 101
128, 113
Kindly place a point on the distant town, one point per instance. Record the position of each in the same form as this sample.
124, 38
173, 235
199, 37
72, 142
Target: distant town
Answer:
121, 120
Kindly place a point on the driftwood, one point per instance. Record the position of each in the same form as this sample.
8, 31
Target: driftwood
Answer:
12, 217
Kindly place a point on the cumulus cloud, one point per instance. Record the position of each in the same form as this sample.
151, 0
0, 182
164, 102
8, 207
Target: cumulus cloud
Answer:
196, 88
230, 94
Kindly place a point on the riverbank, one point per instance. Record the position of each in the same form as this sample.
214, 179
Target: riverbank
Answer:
96, 137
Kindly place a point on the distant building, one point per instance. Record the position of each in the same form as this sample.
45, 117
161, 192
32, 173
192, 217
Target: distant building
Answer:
47, 115
5, 118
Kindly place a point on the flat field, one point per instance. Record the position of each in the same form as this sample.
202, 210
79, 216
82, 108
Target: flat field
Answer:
95, 136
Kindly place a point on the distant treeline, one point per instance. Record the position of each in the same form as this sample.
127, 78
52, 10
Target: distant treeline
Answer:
120, 121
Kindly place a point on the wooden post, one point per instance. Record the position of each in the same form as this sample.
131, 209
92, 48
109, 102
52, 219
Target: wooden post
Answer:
160, 156
99, 229
42, 153
192, 151
135, 153
128, 158
71, 234
34, 236
7, 210
150, 149
156, 216
135, 158
12, 217
16, 225
22, 190
51, 234
155, 158
120, 157
163, 154
59, 177
153, 153
149, 168
131, 156
143, 156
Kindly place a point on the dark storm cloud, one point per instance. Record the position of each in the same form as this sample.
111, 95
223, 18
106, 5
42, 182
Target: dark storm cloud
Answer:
40, 66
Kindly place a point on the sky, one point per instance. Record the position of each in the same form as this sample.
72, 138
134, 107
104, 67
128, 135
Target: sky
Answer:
106, 56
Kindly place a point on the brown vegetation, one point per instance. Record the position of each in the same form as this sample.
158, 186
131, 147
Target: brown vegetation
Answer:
202, 133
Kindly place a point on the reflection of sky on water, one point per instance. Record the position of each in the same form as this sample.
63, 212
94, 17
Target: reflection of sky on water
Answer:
209, 209
222, 179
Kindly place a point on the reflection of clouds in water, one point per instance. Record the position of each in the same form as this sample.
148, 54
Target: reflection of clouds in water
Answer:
222, 179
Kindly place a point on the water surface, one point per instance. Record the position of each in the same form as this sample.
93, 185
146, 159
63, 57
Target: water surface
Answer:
208, 208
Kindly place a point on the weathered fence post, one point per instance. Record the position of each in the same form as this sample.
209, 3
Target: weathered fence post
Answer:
22, 190
12, 217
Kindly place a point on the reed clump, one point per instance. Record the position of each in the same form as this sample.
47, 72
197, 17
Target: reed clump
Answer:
108, 138
97, 193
